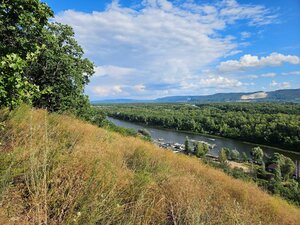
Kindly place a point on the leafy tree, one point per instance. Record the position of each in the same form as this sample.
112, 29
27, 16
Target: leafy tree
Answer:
187, 147
14, 87
41, 62
257, 154
21, 25
285, 166
222, 156
61, 71
201, 149
235, 155
244, 157
228, 153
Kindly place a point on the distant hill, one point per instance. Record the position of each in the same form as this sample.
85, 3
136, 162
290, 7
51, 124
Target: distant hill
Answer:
286, 95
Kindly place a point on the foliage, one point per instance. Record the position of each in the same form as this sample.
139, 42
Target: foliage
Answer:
235, 155
21, 25
187, 147
14, 87
285, 166
223, 156
244, 157
41, 62
201, 149
62, 70
275, 124
257, 154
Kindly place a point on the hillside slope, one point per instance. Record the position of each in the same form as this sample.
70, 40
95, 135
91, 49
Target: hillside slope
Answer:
58, 170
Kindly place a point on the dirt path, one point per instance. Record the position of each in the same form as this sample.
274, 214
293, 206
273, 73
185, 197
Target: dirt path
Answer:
233, 164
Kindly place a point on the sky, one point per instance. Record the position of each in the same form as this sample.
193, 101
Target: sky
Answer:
145, 49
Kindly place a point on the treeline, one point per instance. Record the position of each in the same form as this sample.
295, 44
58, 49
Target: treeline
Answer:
41, 63
263, 123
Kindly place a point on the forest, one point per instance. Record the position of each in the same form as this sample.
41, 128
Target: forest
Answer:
273, 124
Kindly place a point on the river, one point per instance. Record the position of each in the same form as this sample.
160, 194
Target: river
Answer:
171, 136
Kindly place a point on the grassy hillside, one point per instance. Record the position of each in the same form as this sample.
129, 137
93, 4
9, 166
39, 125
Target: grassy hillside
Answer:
58, 170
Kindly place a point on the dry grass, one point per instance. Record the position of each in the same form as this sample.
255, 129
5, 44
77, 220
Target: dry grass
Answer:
58, 170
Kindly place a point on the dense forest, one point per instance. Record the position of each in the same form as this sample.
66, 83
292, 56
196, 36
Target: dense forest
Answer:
275, 124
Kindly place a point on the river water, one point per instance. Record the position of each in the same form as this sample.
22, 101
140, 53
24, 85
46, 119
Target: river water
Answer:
171, 136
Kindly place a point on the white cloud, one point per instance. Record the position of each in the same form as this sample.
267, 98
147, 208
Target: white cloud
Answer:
250, 61
256, 14
245, 35
159, 42
269, 75
103, 91
251, 77
220, 82
139, 87
214, 81
113, 71
280, 85
291, 73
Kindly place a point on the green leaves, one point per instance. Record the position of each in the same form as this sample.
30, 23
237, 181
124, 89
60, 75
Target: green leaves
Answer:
40, 62
14, 87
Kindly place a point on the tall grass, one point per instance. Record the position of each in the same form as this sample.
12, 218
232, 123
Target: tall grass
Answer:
58, 170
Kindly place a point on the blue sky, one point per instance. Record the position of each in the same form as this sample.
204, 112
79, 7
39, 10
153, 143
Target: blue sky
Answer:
146, 49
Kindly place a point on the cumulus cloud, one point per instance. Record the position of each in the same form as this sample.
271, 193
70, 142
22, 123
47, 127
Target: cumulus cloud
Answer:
252, 77
159, 42
214, 81
269, 75
251, 61
104, 91
291, 73
139, 87
113, 71
245, 35
219, 82
280, 85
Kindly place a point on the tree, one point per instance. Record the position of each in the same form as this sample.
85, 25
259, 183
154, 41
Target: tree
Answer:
187, 147
14, 87
235, 155
201, 149
227, 152
257, 154
285, 166
21, 25
41, 62
222, 156
61, 71
244, 157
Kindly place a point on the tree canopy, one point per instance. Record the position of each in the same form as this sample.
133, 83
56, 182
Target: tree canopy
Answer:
41, 62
